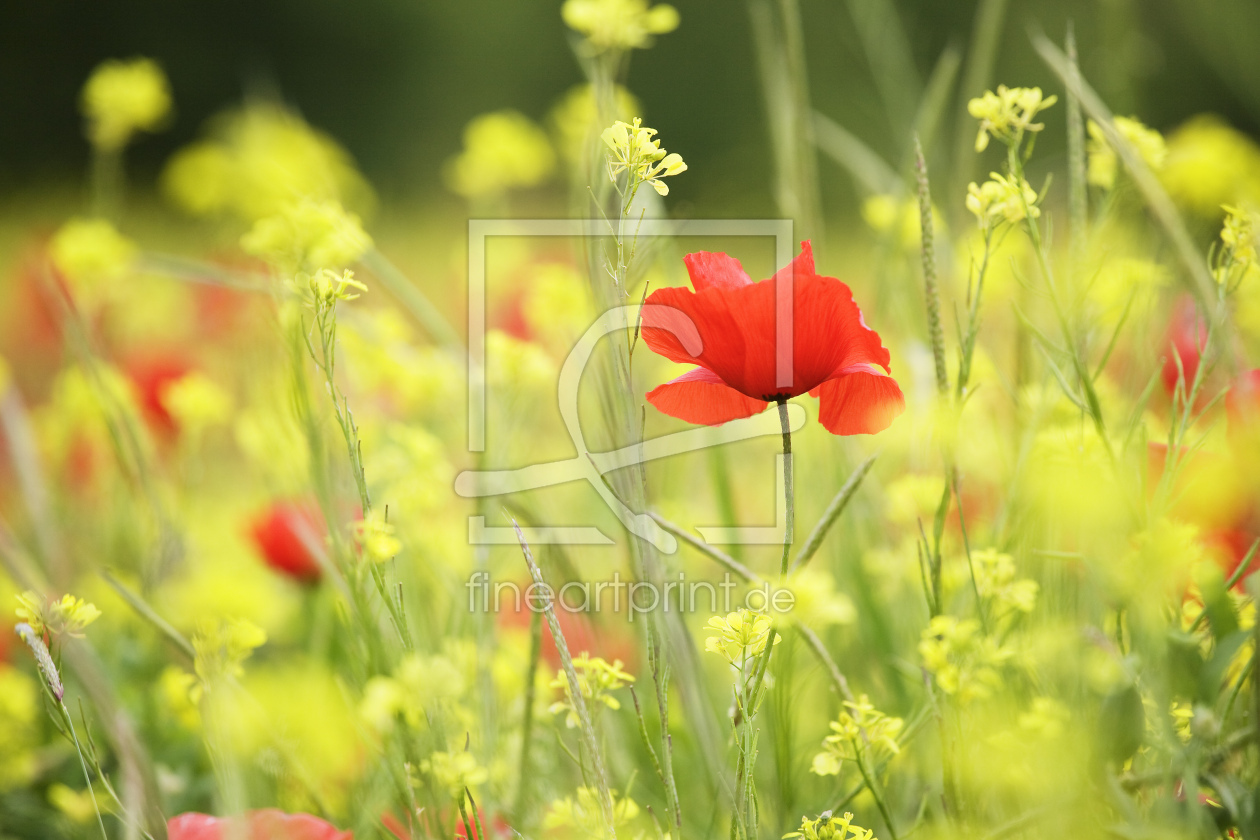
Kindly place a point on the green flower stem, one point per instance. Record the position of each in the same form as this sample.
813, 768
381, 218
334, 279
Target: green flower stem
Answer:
788, 490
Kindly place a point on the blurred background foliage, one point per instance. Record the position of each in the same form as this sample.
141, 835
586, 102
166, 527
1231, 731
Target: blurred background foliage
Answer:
395, 81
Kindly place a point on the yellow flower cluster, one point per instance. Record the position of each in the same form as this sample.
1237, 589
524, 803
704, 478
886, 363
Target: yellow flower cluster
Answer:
222, 646
1238, 234
1148, 143
584, 816
325, 288
257, 162
827, 827
454, 771
67, 616
996, 581
965, 662
741, 635
196, 402
859, 727
503, 150
639, 156
618, 24
376, 538
597, 679
1210, 163
1008, 114
92, 255
307, 236
417, 684
1002, 199
123, 97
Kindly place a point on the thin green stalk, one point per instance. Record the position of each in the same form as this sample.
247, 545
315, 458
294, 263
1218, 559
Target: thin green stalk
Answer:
832, 513
87, 777
1078, 195
720, 556
575, 690
527, 725
932, 295
788, 489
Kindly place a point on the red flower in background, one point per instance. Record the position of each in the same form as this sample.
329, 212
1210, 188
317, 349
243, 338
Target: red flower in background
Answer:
835, 356
1186, 337
265, 824
151, 376
287, 535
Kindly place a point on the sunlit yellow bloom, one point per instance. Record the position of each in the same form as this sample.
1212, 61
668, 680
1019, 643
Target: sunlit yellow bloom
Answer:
92, 254
196, 402
503, 150
222, 646
1148, 143
455, 771
122, 97
20, 706
899, 216
325, 288
965, 662
1209, 164
376, 538
1001, 199
308, 236
619, 24
860, 727
584, 814
741, 635
180, 691
75, 804
597, 679
827, 827
258, 161
68, 616
817, 603
1008, 114
996, 581
637, 154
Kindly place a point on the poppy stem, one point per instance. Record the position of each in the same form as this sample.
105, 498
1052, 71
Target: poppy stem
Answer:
788, 490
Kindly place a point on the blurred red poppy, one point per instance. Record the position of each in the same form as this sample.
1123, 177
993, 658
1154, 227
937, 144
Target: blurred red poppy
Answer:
288, 535
835, 356
1186, 337
264, 824
151, 375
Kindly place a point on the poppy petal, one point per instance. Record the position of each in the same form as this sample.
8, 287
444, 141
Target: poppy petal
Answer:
860, 400
715, 270
700, 396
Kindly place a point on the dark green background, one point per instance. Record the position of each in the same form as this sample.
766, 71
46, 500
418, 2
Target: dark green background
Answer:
396, 80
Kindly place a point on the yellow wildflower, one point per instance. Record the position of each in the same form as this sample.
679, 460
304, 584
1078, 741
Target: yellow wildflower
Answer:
996, 581
455, 771
221, 647
503, 150
639, 156
376, 538
324, 288
1148, 142
618, 24
741, 635
1008, 114
122, 97
860, 727
68, 616
965, 662
827, 827
1210, 163
308, 235
1002, 199
196, 402
91, 253
597, 679
584, 814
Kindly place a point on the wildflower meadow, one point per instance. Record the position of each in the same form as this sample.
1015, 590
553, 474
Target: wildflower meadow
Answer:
892, 472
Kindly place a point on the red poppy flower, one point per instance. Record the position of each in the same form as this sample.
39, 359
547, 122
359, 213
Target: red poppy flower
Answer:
287, 535
265, 824
150, 377
1187, 335
835, 356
